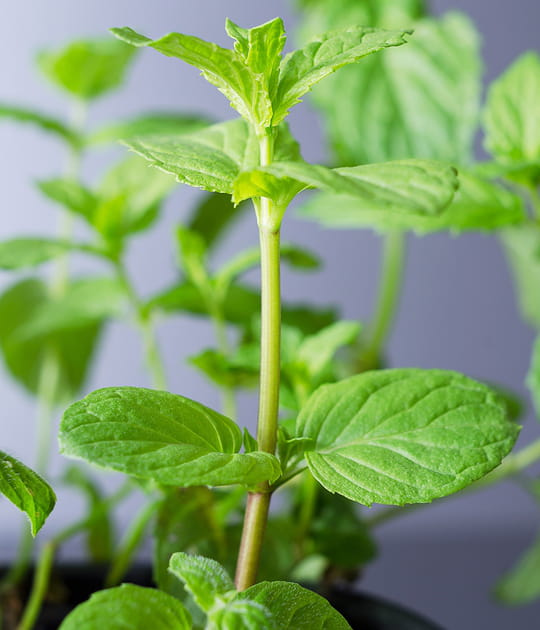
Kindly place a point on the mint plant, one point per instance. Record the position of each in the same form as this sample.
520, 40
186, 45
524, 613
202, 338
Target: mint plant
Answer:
499, 196
387, 436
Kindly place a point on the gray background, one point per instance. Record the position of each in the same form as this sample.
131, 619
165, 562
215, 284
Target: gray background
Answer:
457, 312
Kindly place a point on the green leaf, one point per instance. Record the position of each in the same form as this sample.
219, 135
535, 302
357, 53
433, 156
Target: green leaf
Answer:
421, 187
205, 579
477, 205
303, 68
221, 67
21, 306
404, 436
395, 105
21, 253
129, 606
153, 124
100, 530
88, 68
521, 585
160, 436
511, 115
294, 607
26, 490
72, 195
130, 197
192, 255
522, 246
212, 158
240, 614
316, 351
42, 121
213, 216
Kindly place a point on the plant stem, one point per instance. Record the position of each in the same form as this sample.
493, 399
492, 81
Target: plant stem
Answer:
144, 322
259, 502
130, 543
39, 587
387, 301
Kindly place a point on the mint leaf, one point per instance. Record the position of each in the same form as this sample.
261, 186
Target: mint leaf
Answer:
213, 216
72, 195
87, 68
192, 256
404, 436
160, 436
294, 607
21, 306
521, 585
395, 105
26, 490
205, 579
522, 246
42, 121
477, 205
303, 68
219, 66
511, 114
242, 615
21, 253
422, 187
153, 124
129, 606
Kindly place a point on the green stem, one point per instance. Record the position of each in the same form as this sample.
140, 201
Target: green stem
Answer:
39, 587
130, 544
259, 502
510, 467
387, 301
145, 324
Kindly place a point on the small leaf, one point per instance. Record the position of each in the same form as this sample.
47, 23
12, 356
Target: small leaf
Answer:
129, 606
303, 68
72, 195
240, 614
88, 68
477, 205
521, 585
154, 124
21, 253
511, 118
192, 255
205, 579
404, 436
26, 490
42, 121
294, 607
408, 186
165, 437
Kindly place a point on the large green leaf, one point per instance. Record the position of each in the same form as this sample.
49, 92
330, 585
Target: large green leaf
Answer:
26, 346
87, 68
129, 606
521, 585
396, 104
307, 66
204, 578
421, 187
294, 607
477, 205
42, 121
161, 436
404, 436
26, 490
511, 116
522, 246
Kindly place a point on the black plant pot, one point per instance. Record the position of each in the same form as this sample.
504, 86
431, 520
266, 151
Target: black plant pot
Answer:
73, 584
